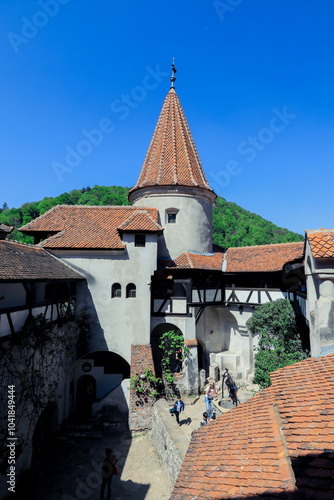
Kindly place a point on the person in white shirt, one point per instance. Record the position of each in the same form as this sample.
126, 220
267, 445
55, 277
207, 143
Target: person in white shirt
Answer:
210, 394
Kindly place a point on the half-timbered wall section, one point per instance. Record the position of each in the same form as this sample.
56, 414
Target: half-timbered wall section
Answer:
32, 282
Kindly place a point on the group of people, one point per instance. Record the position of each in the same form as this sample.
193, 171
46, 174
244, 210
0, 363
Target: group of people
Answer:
210, 394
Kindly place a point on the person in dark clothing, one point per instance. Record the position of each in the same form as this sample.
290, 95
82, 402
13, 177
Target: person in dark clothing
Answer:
179, 408
204, 420
179, 357
108, 470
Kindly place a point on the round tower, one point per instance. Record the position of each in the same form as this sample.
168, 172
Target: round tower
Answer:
173, 181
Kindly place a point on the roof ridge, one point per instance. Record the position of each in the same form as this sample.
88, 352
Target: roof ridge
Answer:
320, 230
197, 159
268, 245
189, 260
53, 237
62, 261
19, 243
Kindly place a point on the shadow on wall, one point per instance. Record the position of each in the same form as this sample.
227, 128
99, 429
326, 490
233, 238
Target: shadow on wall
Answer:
95, 376
92, 338
72, 466
214, 334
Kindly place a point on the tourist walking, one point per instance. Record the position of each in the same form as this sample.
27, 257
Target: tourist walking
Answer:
210, 394
179, 408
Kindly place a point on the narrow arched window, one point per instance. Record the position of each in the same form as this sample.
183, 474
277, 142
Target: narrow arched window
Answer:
116, 290
130, 291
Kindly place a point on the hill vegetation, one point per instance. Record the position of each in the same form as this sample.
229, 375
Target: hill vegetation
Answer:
233, 226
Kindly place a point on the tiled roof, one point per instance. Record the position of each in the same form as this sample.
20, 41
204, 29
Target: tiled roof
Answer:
164, 267
172, 158
192, 260
322, 242
262, 258
6, 229
88, 227
141, 219
278, 441
191, 343
26, 262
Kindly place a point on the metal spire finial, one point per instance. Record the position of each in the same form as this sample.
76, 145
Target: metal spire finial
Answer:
172, 78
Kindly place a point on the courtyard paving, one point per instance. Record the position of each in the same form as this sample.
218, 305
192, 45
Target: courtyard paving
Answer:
71, 468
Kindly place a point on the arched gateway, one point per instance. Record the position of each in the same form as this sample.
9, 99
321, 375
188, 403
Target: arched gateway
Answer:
156, 335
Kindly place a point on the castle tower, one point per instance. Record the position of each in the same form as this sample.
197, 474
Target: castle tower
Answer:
172, 180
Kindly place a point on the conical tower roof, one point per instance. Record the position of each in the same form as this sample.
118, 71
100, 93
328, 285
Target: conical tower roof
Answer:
172, 158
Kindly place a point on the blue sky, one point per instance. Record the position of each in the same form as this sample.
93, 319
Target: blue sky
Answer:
83, 84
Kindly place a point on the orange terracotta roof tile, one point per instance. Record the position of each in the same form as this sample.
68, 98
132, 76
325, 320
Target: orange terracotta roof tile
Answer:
191, 343
262, 258
322, 242
6, 229
172, 158
279, 441
140, 220
88, 227
192, 260
26, 262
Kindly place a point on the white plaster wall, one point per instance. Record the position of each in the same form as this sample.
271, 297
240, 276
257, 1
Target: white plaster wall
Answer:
221, 329
193, 228
124, 321
185, 323
105, 382
320, 302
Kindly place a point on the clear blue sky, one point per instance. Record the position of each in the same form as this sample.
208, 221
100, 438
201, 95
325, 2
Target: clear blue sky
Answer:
255, 80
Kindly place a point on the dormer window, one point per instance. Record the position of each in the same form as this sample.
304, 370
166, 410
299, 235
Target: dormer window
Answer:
140, 240
171, 216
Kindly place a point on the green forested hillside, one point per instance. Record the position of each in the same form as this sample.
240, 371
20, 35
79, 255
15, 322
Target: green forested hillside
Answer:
232, 225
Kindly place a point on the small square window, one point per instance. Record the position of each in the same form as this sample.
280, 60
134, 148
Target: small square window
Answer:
140, 240
172, 218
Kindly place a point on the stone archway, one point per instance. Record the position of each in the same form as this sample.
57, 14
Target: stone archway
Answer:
156, 334
97, 376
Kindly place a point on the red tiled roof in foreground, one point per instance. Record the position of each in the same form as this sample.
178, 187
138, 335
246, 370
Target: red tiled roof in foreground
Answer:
90, 227
262, 258
26, 262
322, 242
172, 158
277, 443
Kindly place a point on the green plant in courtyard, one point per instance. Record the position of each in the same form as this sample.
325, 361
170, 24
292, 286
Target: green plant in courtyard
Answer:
146, 385
280, 342
170, 343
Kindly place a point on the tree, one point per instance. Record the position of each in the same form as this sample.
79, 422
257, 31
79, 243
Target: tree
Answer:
280, 343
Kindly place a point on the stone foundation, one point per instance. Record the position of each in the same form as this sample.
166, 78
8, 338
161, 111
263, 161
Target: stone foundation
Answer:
169, 440
140, 411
